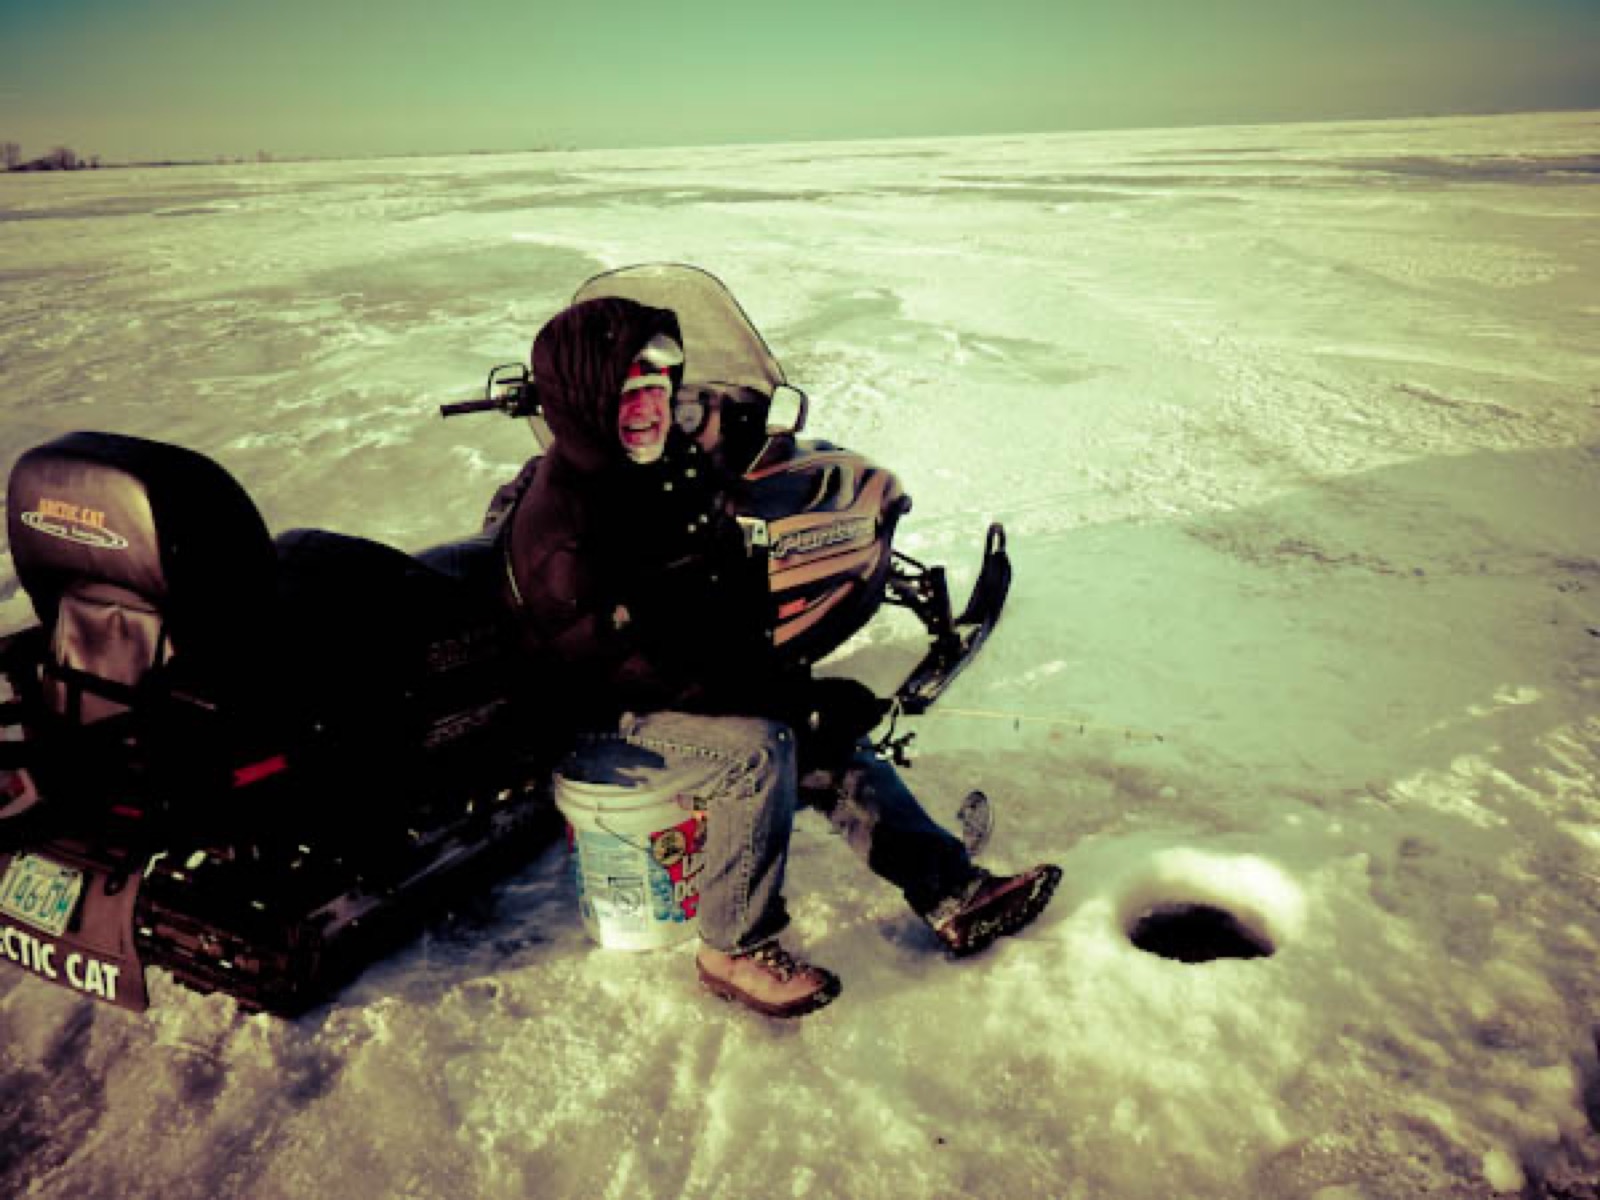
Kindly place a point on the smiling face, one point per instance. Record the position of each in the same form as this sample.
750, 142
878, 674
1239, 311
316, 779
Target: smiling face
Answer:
643, 420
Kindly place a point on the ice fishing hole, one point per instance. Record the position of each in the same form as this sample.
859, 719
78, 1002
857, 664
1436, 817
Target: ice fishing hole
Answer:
1197, 933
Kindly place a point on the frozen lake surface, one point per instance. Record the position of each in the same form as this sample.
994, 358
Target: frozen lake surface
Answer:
1296, 433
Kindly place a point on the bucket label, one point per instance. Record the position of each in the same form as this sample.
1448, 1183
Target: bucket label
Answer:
679, 854
622, 882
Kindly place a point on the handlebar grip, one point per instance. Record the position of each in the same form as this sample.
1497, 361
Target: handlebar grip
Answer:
462, 407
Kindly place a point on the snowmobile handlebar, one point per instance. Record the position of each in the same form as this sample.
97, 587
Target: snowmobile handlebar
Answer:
462, 407
509, 390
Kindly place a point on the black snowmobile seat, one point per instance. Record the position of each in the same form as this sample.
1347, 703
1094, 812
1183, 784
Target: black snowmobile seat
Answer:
135, 551
358, 609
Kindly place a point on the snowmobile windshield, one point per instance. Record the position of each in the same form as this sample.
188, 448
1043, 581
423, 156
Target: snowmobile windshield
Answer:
720, 344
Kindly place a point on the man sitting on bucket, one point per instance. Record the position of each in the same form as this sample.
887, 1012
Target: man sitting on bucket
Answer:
623, 569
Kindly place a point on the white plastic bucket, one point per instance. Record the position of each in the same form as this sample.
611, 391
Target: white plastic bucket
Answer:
636, 854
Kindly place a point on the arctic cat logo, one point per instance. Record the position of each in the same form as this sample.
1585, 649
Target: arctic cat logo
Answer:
81, 972
74, 523
469, 646
840, 533
458, 725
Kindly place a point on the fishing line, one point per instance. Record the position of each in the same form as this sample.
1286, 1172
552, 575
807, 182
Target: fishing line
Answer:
1057, 720
896, 746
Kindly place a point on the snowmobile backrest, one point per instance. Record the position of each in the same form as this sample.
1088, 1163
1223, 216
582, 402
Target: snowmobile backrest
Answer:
105, 527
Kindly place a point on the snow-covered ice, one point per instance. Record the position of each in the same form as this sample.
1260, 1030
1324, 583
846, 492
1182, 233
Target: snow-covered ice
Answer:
1296, 434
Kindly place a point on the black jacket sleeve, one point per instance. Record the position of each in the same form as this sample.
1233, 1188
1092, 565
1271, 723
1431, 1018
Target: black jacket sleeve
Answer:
632, 596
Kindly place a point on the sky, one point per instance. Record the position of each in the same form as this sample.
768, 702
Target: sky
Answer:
150, 79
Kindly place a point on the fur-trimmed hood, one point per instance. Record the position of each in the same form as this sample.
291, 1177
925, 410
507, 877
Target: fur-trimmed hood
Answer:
580, 361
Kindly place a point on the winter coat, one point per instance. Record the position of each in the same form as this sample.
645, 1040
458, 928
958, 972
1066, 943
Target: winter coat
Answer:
630, 583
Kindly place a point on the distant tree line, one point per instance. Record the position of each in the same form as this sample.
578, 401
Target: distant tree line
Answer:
65, 158
61, 158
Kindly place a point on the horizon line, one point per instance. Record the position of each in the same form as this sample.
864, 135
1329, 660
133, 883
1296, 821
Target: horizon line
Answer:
267, 157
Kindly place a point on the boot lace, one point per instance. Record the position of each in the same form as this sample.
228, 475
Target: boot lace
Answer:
776, 961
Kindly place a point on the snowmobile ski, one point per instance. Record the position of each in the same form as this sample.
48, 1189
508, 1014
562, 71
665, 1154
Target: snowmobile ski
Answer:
954, 640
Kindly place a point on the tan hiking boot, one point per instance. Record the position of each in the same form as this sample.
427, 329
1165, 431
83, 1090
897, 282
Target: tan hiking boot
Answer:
768, 979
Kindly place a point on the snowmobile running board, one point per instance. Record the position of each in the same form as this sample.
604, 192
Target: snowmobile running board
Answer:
955, 640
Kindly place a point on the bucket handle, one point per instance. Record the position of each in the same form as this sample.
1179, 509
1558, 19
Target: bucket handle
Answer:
599, 821
621, 837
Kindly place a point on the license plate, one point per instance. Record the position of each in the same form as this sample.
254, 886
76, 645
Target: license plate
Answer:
40, 892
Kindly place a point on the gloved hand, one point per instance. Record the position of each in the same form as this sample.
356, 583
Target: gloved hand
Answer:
830, 716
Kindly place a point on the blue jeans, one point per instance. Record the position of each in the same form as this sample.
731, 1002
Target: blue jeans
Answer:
743, 772
869, 805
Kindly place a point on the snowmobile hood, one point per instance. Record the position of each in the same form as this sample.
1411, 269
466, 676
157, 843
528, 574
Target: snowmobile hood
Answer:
580, 360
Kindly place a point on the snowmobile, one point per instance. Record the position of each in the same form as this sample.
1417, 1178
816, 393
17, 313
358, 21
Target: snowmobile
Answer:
259, 763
